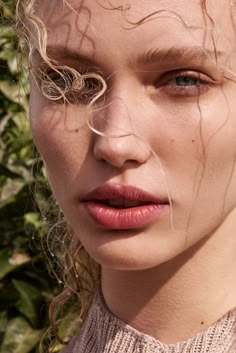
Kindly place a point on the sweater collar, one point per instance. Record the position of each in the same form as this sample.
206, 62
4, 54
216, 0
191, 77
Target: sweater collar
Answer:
103, 332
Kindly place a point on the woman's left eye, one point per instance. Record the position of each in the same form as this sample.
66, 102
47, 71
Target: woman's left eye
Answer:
185, 84
184, 81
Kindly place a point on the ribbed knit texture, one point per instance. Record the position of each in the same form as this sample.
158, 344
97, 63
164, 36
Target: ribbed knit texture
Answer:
103, 332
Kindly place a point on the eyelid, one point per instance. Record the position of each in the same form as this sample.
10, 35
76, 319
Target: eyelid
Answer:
63, 84
167, 84
167, 77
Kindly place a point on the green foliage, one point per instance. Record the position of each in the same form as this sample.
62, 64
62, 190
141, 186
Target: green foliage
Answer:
25, 286
20, 337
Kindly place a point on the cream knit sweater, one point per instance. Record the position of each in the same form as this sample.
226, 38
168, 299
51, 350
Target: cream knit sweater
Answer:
103, 332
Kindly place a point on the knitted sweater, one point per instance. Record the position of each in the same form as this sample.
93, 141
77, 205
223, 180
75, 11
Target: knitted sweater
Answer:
103, 332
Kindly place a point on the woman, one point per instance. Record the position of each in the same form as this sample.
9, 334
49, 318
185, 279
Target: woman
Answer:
133, 110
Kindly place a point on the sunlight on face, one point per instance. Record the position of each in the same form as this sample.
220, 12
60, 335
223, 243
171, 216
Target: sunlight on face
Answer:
166, 125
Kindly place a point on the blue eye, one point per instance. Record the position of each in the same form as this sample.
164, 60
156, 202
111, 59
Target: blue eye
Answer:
184, 81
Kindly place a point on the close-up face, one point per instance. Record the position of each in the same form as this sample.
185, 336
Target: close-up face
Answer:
147, 169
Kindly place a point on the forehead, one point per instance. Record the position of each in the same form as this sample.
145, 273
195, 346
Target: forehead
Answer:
111, 27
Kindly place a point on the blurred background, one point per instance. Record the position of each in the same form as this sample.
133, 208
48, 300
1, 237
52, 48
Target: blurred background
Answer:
26, 286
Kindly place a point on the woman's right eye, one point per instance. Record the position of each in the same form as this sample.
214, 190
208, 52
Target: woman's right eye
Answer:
54, 83
63, 80
66, 87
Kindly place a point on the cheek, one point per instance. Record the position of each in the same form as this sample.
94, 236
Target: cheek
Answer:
202, 134
214, 186
198, 157
62, 139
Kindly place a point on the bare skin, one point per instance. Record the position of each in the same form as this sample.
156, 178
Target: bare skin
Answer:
174, 277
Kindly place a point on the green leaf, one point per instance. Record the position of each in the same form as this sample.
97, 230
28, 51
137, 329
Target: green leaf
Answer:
33, 218
29, 298
8, 296
3, 320
9, 188
10, 260
20, 337
5, 265
8, 173
3, 323
13, 208
14, 92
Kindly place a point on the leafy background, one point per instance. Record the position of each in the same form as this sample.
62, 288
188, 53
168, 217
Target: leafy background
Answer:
26, 288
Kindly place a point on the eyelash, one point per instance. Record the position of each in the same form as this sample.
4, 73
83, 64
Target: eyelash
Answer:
200, 84
60, 86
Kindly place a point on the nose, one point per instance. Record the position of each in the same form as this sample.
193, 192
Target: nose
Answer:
117, 142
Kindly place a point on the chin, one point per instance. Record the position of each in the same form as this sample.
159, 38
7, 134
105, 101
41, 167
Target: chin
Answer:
130, 259
133, 250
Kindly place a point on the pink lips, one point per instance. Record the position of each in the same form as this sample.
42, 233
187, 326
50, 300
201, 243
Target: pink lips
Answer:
118, 206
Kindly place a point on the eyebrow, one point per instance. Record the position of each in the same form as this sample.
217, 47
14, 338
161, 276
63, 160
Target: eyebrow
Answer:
183, 54
59, 52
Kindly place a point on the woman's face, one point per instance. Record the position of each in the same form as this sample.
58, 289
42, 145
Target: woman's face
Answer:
167, 126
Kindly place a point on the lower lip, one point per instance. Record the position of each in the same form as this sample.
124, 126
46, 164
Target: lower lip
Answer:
126, 218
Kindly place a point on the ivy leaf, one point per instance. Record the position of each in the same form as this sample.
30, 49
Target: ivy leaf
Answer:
14, 92
28, 301
3, 324
9, 261
8, 173
5, 265
33, 218
20, 337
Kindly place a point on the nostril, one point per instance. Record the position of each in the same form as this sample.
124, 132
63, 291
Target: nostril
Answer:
116, 151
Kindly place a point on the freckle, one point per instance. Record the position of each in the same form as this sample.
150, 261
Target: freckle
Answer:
76, 130
193, 141
172, 140
202, 323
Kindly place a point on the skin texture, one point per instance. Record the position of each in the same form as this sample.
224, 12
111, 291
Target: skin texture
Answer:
182, 266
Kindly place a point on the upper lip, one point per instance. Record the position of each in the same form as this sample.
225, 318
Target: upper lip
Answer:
111, 191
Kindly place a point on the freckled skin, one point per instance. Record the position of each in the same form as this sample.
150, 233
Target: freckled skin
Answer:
181, 258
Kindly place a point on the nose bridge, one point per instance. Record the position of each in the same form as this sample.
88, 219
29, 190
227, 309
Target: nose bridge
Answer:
119, 141
118, 114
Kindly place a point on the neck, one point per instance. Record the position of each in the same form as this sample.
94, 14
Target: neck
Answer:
197, 287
